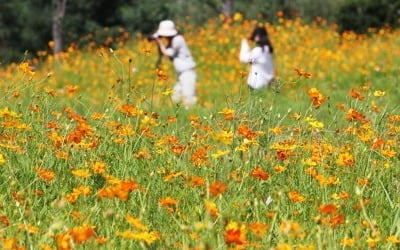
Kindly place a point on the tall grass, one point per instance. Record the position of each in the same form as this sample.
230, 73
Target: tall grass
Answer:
93, 153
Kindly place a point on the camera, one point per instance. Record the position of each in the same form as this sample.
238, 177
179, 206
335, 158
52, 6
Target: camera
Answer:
152, 37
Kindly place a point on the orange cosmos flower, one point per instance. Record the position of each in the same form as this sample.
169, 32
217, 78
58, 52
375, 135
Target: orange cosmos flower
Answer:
290, 228
235, 234
260, 174
363, 181
4, 220
143, 153
82, 233
258, 229
243, 74
197, 181
246, 132
168, 201
130, 110
341, 106
394, 118
128, 185
162, 75
46, 175
328, 209
296, 196
353, 115
64, 241
178, 149
199, 156
378, 142
337, 220
71, 90
316, 97
217, 188
229, 114
345, 159
26, 69
302, 73
53, 125
283, 154
171, 119
356, 95
361, 203
101, 240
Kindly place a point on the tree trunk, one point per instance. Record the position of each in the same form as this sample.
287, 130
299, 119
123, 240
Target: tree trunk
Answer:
58, 16
227, 8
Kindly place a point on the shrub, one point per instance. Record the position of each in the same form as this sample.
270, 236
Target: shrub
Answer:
359, 15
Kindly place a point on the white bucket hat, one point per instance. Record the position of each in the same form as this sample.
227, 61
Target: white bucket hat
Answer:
166, 28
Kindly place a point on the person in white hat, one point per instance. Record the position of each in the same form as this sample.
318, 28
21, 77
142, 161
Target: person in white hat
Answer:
178, 51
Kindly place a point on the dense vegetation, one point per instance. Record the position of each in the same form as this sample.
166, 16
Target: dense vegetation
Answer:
27, 25
93, 154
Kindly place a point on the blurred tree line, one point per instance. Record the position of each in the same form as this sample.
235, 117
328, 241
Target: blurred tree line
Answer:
29, 25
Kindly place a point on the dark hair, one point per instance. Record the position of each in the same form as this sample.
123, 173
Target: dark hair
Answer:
262, 33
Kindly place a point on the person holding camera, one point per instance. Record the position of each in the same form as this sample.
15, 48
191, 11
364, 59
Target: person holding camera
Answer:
177, 50
260, 58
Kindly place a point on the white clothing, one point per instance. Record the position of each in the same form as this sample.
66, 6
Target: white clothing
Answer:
180, 54
185, 88
262, 68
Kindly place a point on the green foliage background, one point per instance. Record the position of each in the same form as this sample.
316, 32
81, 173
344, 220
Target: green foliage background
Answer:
26, 25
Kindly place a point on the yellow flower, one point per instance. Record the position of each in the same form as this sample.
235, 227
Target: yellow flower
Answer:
388, 152
220, 153
345, 159
347, 242
372, 242
283, 246
314, 123
81, 173
2, 160
136, 223
6, 113
226, 137
26, 69
229, 114
29, 228
237, 17
211, 208
258, 229
379, 93
167, 92
393, 239
279, 169
148, 237
99, 167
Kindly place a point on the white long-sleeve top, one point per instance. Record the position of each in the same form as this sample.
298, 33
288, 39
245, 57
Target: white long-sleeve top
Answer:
262, 68
180, 54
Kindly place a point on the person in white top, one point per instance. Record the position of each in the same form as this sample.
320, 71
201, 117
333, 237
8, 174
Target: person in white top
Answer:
178, 51
260, 58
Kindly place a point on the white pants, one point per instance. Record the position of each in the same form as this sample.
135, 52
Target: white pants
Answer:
185, 88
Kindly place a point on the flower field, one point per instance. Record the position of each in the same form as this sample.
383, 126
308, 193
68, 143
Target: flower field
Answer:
94, 155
